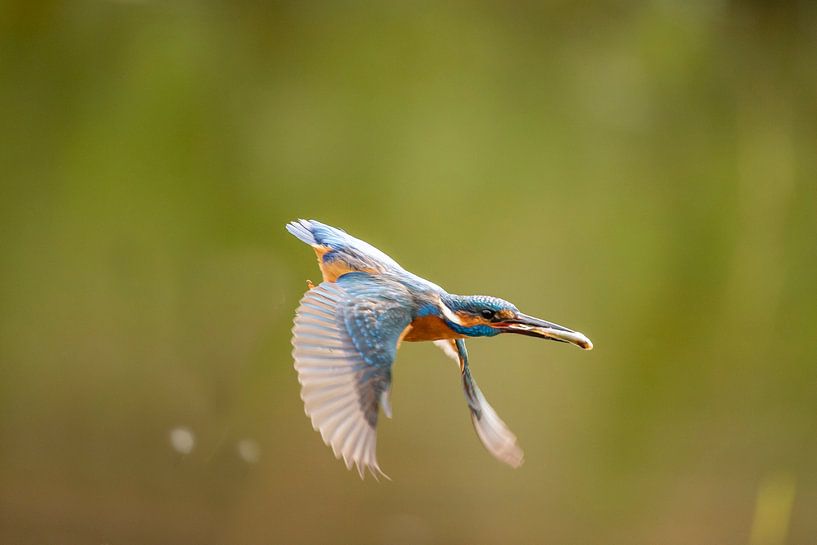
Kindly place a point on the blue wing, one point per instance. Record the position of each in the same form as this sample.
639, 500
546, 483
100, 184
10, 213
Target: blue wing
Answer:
345, 341
340, 251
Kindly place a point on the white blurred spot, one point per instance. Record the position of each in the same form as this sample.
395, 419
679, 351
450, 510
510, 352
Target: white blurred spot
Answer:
182, 440
249, 451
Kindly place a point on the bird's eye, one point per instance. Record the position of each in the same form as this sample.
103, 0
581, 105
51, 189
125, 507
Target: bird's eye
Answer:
488, 314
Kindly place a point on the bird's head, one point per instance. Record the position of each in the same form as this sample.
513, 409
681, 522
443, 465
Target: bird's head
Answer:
484, 316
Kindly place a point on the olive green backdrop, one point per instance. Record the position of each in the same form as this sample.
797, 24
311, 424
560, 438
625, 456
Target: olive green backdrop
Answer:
645, 172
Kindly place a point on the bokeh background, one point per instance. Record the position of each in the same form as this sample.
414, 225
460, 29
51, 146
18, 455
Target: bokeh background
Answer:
645, 172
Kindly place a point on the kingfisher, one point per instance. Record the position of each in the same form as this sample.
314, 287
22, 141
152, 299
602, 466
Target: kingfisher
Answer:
348, 328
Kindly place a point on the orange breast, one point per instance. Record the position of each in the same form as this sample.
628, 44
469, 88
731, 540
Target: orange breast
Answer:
429, 328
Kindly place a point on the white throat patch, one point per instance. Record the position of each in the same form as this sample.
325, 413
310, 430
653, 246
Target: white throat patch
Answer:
450, 315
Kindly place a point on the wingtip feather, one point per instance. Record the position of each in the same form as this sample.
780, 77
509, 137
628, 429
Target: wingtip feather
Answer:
302, 229
495, 435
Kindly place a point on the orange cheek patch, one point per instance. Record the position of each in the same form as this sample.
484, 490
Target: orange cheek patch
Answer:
470, 320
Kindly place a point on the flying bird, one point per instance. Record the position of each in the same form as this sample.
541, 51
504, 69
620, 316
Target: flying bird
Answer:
348, 328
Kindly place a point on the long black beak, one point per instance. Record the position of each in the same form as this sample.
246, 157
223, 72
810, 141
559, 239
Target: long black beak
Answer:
534, 327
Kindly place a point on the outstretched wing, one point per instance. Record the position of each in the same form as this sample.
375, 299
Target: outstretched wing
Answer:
491, 430
339, 252
345, 341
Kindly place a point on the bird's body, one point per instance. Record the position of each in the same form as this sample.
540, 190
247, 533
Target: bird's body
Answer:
348, 328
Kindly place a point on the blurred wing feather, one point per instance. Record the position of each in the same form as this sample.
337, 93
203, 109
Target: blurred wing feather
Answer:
345, 341
494, 434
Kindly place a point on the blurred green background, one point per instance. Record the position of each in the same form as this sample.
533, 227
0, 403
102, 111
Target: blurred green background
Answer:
645, 172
